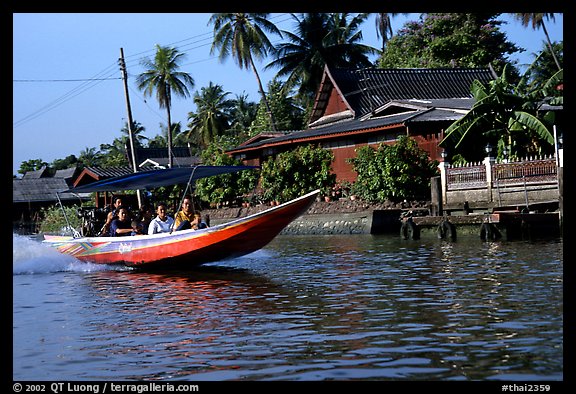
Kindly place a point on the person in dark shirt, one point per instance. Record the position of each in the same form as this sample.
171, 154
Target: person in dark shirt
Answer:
113, 214
122, 226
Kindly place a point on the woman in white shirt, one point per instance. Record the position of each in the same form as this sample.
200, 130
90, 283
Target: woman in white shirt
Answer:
162, 223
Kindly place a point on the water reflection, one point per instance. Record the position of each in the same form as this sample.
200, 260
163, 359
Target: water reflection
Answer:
317, 308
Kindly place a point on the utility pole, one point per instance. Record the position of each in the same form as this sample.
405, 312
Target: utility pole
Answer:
122, 64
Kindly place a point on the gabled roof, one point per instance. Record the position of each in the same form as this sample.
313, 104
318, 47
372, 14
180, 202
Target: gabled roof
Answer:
162, 162
40, 190
365, 90
353, 126
41, 173
93, 174
180, 154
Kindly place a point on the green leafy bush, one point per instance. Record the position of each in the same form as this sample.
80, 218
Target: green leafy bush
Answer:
54, 222
294, 173
225, 188
395, 172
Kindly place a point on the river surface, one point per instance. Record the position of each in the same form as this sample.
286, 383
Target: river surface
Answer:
355, 307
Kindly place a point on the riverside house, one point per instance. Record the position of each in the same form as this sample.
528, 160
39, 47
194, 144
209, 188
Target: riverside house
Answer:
358, 107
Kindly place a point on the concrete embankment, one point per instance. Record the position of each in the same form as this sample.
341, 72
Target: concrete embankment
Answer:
353, 217
337, 217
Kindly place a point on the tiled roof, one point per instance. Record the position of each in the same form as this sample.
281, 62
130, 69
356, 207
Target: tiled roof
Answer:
35, 174
335, 128
40, 190
368, 89
110, 172
429, 94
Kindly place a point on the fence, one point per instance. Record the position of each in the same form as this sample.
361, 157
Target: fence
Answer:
486, 183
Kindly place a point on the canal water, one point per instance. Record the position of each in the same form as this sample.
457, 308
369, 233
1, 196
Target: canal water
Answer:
314, 308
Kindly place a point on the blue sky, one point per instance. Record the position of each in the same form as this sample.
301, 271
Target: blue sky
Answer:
56, 112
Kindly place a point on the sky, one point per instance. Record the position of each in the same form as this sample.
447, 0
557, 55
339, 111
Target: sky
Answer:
67, 89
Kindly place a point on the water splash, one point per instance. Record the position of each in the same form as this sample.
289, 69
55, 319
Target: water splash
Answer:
30, 256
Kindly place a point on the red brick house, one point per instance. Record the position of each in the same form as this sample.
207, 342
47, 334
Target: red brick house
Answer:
358, 107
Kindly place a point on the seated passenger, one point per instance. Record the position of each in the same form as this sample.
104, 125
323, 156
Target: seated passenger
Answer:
198, 223
122, 226
162, 223
184, 217
112, 214
144, 218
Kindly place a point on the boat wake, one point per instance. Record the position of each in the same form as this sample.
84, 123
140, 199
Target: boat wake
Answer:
30, 256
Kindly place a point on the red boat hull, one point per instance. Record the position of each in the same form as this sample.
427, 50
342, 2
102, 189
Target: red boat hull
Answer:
187, 247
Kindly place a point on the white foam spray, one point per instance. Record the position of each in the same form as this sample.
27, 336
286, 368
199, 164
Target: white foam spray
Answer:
30, 256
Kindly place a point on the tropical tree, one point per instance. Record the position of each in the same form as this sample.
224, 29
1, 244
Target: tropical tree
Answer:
289, 116
90, 157
319, 40
242, 36
242, 115
543, 67
31, 165
114, 154
384, 27
537, 21
137, 130
501, 116
213, 114
162, 75
449, 40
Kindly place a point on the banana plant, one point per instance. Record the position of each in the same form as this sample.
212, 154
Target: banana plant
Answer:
503, 115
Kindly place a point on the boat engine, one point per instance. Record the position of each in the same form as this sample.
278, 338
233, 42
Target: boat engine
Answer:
93, 220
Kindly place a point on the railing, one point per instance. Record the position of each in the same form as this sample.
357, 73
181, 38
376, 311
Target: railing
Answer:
474, 175
535, 171
469, 177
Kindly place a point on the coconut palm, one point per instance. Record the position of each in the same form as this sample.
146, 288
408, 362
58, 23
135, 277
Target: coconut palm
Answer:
162, 76
213, 114
537, 21
319, 40
137, 130
243, 114
384, 27
242, 36
90, 157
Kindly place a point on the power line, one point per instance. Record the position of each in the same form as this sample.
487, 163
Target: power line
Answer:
64, 80
89, 83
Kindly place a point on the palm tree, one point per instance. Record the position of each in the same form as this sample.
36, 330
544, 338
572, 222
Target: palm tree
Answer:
90, 157
384, 27
161, 75
213, 116
137, 130
537, 20
319, 40
242, 36
243, 114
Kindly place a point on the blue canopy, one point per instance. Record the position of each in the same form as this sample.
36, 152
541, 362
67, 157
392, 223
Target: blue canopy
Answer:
156, 178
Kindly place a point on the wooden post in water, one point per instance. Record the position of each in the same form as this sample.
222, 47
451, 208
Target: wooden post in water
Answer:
436, 196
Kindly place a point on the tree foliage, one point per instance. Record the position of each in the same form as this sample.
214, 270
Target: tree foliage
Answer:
449, 40
162, 75
319, 40
287, 114
395, 172
504, 117
225, 188
291, 174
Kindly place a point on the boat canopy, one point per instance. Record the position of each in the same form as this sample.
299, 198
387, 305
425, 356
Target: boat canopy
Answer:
156, 178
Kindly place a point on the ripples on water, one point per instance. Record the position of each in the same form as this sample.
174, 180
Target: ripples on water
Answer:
303, 308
